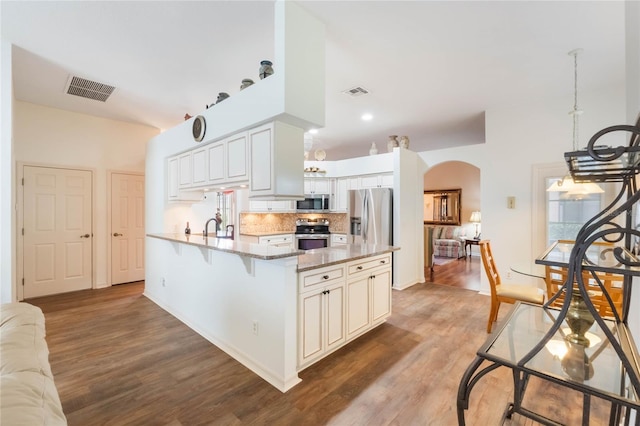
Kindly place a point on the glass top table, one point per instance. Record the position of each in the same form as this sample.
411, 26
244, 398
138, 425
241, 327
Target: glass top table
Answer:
603, 257
596, 368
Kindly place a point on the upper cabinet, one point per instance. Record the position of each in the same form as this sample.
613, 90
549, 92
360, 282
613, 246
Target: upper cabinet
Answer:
317, 186
276, 154
237, 159
376, 181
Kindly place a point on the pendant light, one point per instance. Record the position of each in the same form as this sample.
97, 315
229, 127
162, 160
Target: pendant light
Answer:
566, 184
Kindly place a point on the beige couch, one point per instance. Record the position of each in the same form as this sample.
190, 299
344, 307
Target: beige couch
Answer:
28, 395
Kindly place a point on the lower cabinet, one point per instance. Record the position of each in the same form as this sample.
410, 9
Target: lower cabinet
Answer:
368, 294
340, 302
279, 240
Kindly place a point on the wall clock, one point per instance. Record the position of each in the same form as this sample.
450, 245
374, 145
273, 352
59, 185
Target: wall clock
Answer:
199, 128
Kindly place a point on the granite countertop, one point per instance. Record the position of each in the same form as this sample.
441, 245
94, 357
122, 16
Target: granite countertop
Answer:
318, 258
258, 251
310, 259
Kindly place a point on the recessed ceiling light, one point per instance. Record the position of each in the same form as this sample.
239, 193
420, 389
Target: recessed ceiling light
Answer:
367, 117
313, 131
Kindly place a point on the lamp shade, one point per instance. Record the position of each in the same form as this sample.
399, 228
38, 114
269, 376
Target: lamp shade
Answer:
475, 217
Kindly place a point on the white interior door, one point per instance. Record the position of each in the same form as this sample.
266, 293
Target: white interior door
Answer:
127, 228
57, 230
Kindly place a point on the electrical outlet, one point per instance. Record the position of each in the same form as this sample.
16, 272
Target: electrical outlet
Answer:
164, 282
255, 327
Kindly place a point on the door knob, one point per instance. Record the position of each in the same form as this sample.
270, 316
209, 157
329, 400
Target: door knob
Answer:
116, 234
85, 236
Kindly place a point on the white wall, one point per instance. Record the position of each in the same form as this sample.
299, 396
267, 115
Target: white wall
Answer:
7, 197
54, 137
517, 137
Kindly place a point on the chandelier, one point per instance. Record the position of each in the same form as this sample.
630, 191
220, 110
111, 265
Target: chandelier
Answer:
566, 184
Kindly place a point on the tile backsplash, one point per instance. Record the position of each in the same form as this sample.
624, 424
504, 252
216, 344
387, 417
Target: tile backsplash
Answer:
283, 222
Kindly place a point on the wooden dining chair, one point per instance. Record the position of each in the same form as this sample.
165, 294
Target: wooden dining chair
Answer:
613, 284
507, 293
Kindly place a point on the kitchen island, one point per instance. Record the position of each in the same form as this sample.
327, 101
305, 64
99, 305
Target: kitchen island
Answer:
276, 310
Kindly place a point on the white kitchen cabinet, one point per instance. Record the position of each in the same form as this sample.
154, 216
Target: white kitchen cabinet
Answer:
278, 240
199, 168
217, 171
341, 194
184, 170
368, 293
321, 307
376, 181
271, 206
317, 186
338, 239
276, 161
174, 192
237, 169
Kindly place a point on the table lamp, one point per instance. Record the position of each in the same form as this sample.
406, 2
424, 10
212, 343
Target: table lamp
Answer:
475, 218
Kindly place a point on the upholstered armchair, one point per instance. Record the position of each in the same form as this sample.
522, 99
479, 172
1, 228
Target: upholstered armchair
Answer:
448, 241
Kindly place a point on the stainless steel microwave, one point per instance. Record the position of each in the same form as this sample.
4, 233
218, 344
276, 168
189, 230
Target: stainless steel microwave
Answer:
315, 202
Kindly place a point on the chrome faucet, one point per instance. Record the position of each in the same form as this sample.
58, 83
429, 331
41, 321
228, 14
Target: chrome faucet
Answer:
205, 233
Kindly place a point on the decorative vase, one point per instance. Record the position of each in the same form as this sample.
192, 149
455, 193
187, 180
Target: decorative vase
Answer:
579, 319
265, 69
221, 97
576, 364
246, 83
404, 142
374, 149
392, 143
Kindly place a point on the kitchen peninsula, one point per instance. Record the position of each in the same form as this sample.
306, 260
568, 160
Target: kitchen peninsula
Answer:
276, 310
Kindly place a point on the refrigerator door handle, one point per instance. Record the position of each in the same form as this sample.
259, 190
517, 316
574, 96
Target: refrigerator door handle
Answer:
365, 216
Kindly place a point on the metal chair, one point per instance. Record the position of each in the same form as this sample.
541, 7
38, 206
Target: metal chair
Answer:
507, 293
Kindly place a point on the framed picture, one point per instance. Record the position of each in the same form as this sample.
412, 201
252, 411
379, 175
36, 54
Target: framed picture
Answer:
442, 206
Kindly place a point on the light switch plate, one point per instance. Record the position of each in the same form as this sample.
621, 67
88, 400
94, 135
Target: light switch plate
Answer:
511, 202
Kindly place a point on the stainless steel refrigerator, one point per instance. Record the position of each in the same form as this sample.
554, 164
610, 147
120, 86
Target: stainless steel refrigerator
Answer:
371, 216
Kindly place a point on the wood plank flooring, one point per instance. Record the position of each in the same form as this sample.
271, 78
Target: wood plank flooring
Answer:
119, 359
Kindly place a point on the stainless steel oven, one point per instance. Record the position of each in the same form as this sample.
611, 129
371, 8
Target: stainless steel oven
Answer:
309, 242
312, 234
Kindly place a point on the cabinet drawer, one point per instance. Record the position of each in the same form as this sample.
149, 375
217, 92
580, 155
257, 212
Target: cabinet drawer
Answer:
276, 239
368, 264
320, 277
337, 239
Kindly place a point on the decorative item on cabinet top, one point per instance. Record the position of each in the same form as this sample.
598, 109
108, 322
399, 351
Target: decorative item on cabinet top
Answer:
320, 155
392, 143
246, 83
265, 69
221, 97
374, 149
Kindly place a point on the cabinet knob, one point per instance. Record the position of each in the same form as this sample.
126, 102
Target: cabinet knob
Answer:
383, 261
115, 234
85, 236
325, 277
359, 268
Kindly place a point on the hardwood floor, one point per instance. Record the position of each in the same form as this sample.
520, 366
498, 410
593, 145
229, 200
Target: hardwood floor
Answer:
119, 359
462, 273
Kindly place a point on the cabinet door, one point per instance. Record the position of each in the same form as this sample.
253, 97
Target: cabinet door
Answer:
258, 205
237, 169
334, 301
369, 181
184, 170
310, 326
381, 295
260, 141
342, 188
172, 178
322, 186
216, 163
357, 305
281, 206
199, 167
386, 180
308, 186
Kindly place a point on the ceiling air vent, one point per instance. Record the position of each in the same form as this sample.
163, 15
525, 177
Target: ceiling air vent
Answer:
354, 92
88, 89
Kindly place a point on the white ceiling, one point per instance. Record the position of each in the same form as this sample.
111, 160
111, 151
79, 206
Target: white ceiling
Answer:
432, 68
